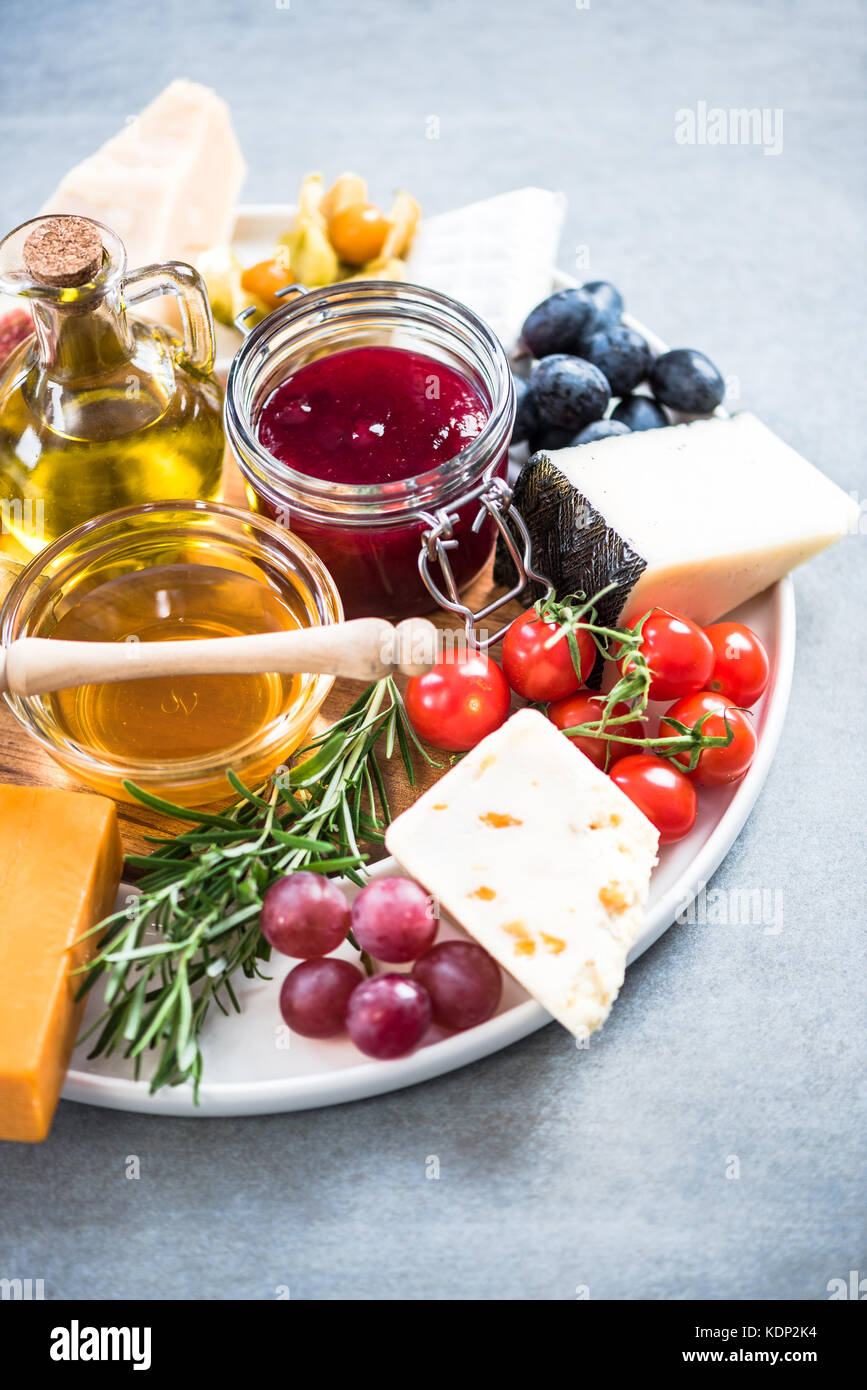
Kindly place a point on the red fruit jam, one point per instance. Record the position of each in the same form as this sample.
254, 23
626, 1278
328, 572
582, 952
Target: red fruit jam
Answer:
375, 416
365, 414
371, 415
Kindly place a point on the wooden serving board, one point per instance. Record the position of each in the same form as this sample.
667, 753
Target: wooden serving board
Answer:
24, 761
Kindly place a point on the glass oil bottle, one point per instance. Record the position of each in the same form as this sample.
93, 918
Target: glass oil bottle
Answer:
99, 410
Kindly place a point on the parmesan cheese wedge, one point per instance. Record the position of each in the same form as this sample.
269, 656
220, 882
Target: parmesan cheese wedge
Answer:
166, 183
540, 858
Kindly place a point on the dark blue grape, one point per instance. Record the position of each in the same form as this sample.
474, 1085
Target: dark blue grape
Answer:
688, 381
640, 413
606, 297
560, 323
568, 391
601, 429
526, 415
622, 355
551, 437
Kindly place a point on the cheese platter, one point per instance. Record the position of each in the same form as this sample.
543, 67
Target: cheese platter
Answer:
252, 1068
332, 891
305, 1073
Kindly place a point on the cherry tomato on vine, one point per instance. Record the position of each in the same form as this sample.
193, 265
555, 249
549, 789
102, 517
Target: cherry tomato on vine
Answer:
678, 653
540, 674
666, 796
464, 697
585, 708
716, 767
741, 667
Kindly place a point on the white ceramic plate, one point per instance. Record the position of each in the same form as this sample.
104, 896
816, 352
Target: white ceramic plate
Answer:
251, 1063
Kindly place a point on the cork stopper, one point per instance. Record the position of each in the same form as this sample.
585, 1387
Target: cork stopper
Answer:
64, 251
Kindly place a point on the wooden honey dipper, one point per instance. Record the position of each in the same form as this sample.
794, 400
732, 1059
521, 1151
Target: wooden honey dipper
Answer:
363, 649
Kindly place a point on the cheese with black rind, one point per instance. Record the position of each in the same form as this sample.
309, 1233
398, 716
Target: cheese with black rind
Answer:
695, 518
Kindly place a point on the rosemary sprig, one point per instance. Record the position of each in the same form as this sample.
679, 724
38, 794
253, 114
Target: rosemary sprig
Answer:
201, 893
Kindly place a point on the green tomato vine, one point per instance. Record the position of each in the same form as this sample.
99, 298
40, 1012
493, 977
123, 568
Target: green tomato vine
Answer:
622, 646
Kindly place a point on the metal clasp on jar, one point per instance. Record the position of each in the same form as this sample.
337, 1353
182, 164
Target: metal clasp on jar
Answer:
240, 319
495, 497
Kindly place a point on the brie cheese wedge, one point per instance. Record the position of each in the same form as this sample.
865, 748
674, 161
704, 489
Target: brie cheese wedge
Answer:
695, 518
497, 256
541, 859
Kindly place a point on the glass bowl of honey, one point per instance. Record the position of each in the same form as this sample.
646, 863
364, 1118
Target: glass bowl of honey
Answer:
159, 572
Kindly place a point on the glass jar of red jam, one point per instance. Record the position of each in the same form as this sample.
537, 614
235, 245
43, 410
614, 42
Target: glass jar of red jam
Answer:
363, 416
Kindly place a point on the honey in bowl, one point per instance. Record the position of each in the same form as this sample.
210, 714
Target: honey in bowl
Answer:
158, 573
187, 716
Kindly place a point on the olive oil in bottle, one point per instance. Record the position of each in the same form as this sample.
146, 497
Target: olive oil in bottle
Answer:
97, 410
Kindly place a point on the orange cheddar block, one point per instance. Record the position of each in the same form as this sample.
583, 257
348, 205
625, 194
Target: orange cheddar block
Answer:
60, 864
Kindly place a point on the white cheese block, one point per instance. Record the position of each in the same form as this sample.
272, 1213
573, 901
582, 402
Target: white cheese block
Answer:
167, 183
497, 256
540, 858
696, 518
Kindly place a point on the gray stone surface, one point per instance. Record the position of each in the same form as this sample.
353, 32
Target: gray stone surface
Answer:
558, 1168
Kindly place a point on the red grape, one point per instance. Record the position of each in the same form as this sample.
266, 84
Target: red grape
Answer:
387, 1015
315, 994
393, 920
463, 981
304, 915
